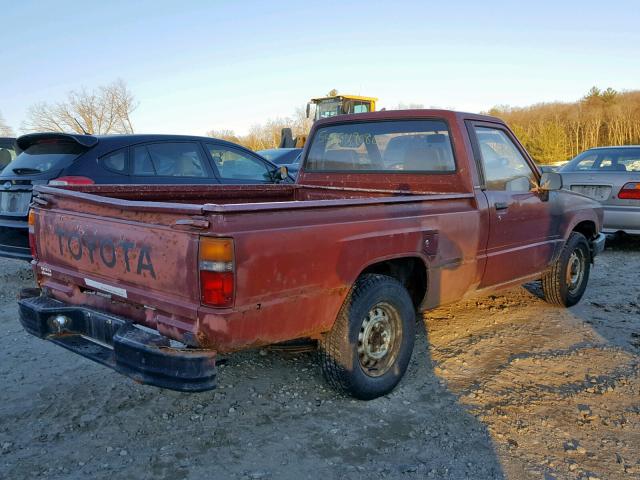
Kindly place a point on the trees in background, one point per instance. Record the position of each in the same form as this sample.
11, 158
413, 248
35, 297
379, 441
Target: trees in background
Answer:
5, 129
267, 135
103, 110
553, 132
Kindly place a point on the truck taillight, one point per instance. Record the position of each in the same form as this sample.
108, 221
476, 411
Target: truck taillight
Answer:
71, 180
32, 237
215, 262
630, 191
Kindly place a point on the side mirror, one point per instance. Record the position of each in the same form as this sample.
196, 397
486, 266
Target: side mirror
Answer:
309, 110
550, 181
283, 172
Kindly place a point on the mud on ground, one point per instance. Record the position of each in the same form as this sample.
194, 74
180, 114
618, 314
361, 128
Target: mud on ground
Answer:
504, 387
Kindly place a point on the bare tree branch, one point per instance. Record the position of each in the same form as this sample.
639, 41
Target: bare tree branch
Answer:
106, 109
5, 129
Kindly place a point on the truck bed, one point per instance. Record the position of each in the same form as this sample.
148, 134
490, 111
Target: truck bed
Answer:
144, 252
229, 198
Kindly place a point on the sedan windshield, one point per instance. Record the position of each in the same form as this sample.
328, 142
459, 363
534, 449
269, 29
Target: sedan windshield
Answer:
281, 156
605, 160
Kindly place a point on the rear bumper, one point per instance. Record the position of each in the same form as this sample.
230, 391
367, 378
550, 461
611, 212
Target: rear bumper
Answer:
622, 218
14, 240
143, 355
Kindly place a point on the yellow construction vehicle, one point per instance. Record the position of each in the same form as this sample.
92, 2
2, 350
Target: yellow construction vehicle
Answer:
325, 107
331, 106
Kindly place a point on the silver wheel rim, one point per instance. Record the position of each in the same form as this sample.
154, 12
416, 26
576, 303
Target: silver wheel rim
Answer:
575, 271
379, 339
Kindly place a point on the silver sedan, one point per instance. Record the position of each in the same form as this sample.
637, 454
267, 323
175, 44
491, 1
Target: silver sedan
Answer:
610, 175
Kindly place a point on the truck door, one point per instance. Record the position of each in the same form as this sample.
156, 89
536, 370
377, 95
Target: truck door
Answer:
522, 230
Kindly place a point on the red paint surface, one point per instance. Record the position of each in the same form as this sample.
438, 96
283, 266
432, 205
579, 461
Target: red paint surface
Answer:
298, 248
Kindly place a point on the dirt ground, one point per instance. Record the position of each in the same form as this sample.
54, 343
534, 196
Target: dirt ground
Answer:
504, 387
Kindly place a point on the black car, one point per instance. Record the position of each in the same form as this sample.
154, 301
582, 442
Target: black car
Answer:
288, 157
8, 151
65, 159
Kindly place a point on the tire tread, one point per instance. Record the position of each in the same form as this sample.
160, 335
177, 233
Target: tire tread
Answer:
332, 345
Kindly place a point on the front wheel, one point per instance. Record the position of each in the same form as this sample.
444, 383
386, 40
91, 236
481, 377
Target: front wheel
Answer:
367, 351
565, 282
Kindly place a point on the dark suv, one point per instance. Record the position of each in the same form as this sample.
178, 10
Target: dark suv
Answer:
63, 159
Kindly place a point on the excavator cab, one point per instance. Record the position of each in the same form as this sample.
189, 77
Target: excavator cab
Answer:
325, 107
339, 105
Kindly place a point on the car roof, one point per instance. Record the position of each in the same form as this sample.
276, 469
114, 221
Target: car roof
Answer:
113, 142
611, 147
412, 114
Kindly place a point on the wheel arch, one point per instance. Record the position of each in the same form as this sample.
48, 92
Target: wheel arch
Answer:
410, 270
587, 228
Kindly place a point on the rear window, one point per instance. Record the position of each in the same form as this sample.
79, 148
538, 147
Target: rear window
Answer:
606, 160
42, 157
400, 146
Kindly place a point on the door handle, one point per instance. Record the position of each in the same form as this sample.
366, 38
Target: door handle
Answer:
501, 205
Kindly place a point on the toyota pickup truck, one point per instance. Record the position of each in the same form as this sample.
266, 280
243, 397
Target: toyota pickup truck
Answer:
393, 213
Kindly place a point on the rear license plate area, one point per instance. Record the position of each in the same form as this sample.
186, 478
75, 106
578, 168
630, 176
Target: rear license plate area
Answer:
600, 193
14, 203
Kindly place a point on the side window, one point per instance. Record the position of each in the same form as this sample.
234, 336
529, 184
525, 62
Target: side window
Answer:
631, 162
236, 165
169, 160
116, 161
142, 162
504, 166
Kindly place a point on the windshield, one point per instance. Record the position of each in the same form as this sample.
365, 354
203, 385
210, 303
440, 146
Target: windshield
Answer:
328, 108
407, 145
42, 157
281, 156
605, 160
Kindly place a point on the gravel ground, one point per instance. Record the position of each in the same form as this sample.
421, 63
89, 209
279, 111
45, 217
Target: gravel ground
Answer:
505, 387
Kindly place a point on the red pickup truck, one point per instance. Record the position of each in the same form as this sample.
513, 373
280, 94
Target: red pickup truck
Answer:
393, 213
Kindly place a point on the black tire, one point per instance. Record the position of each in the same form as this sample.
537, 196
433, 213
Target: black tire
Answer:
377, 317
559, 284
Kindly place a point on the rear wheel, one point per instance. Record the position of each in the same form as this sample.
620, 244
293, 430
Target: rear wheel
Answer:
565, 282
369, 347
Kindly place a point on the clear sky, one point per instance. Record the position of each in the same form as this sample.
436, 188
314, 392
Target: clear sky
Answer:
196, 66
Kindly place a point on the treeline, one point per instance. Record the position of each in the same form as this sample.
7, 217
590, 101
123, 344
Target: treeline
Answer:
553, 132
267, 135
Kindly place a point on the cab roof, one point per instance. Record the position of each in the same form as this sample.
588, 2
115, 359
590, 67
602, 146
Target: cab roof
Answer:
412, 114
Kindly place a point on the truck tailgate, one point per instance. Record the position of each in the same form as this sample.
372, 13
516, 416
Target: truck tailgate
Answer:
121, 260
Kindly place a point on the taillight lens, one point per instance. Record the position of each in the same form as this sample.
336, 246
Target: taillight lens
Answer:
32, 237
71, 180
216, 265
630, 191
